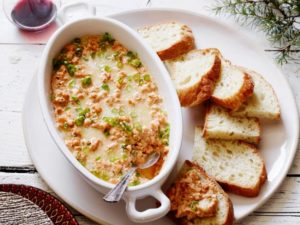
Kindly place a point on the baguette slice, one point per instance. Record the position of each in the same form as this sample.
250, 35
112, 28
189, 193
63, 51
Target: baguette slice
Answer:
194, 75
193, 175
263, 103
236, 165
219, 124
234, 86
169, 40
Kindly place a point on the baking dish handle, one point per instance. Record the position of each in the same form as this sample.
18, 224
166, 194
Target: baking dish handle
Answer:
149, 214
63, 11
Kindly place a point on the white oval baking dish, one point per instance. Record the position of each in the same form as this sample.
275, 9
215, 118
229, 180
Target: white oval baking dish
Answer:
130, 39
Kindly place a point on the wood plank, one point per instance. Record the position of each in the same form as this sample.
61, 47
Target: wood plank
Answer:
18, 64
250, 220
13, 151
282, 207
276, 219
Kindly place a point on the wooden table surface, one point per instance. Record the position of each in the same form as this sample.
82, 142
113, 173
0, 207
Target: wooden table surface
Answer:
19, 56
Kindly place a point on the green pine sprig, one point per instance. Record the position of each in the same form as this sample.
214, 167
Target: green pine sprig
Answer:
279, 19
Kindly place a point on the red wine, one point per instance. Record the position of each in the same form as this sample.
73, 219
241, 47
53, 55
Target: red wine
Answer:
33, 13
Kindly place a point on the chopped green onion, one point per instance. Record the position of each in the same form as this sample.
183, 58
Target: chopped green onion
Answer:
125, 126
193, 205
136, 77
86, 81
141, 82
107, 68
131, 55
112, 121
115, 111
83, 112
147, 77
98, 158
75, 99
72, 83
114, 159
79, 120
134, 183
51, 97
100, 174
82, 162
85, 150
164, 135
100, 54
133, 115
116, 55
124, 156
71, 69
119, 64
105, 87
135, 63
122, 111
56, 63
66, 126
120, 80
107, 38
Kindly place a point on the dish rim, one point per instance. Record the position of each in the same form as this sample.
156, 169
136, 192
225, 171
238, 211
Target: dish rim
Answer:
49, 120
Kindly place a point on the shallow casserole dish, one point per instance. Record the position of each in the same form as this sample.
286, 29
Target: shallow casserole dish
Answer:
130, 39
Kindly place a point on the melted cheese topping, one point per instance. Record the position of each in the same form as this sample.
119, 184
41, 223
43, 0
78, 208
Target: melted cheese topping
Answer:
107, 108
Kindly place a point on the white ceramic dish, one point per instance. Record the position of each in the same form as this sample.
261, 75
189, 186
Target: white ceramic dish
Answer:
130, 39
278, 145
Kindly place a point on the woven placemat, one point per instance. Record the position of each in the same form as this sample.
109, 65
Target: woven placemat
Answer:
26, 205
15, 209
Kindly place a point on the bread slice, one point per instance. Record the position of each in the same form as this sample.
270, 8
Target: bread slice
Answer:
234, 86
194, 75
194, 183
169, 40
219, 124
263, 103
236, 165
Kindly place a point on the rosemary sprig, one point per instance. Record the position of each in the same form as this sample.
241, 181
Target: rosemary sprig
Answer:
279, 19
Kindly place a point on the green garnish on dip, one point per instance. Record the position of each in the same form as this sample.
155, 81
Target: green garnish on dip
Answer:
105, 106
105, 87
86, 81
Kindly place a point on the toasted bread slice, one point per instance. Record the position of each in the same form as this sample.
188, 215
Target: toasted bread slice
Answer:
234, 86
169, 40
194, 75
263, 103
236, 165
196, 198
219, 124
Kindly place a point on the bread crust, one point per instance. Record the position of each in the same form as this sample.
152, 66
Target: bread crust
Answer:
202, 90
247, 192
230, 215
184, 45
206, 135
276, 116
237, 100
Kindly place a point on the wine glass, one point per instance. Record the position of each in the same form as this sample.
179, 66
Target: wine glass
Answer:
31, 15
